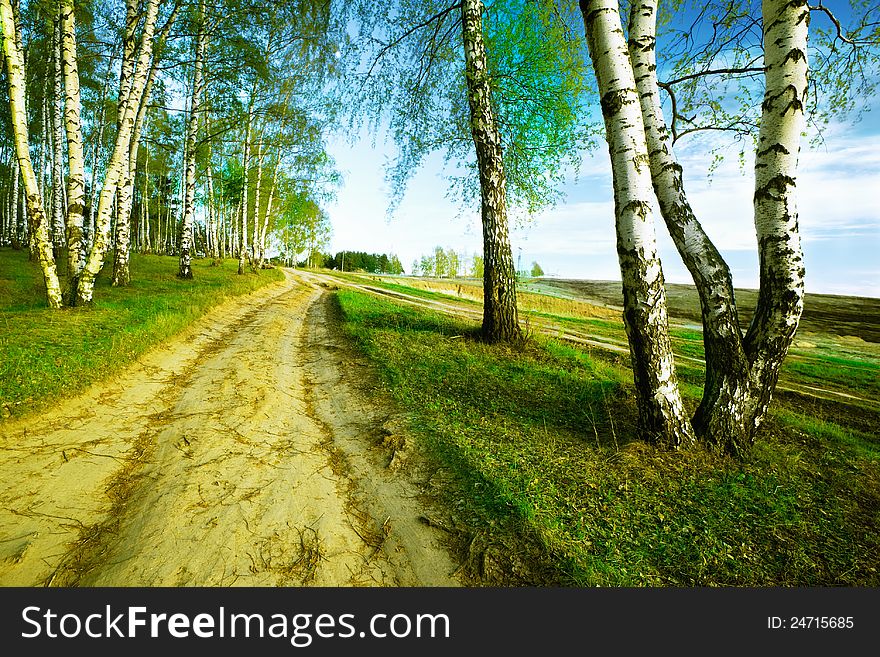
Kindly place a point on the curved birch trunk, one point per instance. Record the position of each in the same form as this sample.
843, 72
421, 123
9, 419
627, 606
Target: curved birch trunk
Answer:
662, 417
76, 191
736, 394
720, 416
121, 275
500, 317
189, 198
119, 159
125, 193
18, 115
781, 294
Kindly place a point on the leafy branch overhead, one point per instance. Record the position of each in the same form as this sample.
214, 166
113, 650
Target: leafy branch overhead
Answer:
713, 64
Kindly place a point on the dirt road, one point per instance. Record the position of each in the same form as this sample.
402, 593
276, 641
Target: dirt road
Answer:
241, 453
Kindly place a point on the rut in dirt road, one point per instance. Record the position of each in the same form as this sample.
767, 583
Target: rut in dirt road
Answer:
239, 455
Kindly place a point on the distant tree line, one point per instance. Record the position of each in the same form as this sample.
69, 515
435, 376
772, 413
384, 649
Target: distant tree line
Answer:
373, 263
447, 263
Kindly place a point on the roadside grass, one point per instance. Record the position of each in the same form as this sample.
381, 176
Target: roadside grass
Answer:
472, 293
539, 441
47, 354
825, 367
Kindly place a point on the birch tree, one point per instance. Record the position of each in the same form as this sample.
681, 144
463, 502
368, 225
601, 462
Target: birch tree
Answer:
125, 192
500, 318
245, 164
499, 91
742, 368
76, 162
662, 416
56, 112
118, 161
198, 87
36, 210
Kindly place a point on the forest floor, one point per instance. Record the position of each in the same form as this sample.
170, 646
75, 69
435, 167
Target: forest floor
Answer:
246, 451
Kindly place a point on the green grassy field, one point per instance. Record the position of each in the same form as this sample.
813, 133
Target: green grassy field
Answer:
46, 354
547, 476
822, 358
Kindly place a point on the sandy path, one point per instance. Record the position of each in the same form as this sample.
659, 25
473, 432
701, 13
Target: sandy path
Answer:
239, 454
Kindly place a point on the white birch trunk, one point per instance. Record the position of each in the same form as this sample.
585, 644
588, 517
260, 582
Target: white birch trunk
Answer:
119, 159
145, 203
76, 191
720, 418
255, 238
186, 237
129, 47
18, 115
740, 373
214, 215
267, 216
57, 112
125, 194
243, 232
781, 295
20, 228
121, 275
89, 227
662, 416
500, 316
213, 232
160, 244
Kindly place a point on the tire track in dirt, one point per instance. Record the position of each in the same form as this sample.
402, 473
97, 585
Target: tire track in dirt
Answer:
212, 462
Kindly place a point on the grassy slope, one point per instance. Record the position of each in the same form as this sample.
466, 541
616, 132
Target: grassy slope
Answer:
833, 364
46, 354
540, 441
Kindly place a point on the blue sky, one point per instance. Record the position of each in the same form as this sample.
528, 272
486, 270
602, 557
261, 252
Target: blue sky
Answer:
838, 192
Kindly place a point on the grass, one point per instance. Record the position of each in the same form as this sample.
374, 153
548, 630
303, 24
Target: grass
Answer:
47, 354
470, 293
539, 443
823, 366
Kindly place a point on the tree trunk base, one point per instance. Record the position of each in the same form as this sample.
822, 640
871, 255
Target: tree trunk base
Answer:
509, 335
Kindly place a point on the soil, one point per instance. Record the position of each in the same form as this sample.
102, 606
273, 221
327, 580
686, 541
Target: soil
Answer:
245, 452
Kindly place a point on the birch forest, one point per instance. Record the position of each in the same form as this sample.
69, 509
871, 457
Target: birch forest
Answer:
161, 159
198, 130
175, 128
